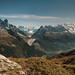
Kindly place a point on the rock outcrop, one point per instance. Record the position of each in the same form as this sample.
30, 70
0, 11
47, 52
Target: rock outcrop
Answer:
6, 26
7, 67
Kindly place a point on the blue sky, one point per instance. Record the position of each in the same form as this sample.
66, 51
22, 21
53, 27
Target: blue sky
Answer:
37, 12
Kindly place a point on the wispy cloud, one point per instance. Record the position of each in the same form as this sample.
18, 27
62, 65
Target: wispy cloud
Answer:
25, 16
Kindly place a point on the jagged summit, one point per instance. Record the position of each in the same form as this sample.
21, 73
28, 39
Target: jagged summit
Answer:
6, 26
50, 29
70, 27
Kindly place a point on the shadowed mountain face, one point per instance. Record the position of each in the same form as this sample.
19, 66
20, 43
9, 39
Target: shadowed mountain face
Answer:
66, 57
53, 41
12, 45
65, 54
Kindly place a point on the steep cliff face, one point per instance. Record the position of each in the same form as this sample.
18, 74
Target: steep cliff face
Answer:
6, 26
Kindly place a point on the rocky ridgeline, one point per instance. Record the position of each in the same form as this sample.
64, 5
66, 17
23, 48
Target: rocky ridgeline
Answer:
49, 29
6, 66
6, 26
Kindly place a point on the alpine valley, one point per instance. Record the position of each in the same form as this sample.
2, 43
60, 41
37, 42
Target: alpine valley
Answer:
49, 51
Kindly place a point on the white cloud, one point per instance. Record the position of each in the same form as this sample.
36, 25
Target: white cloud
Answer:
25, 16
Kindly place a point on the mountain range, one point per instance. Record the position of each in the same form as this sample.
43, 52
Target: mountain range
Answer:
12, 44
55, 29
48, 42
70, 27
53, 40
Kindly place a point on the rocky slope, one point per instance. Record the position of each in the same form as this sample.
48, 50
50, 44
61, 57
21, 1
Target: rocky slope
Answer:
30, 41
7, 66
12, 45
